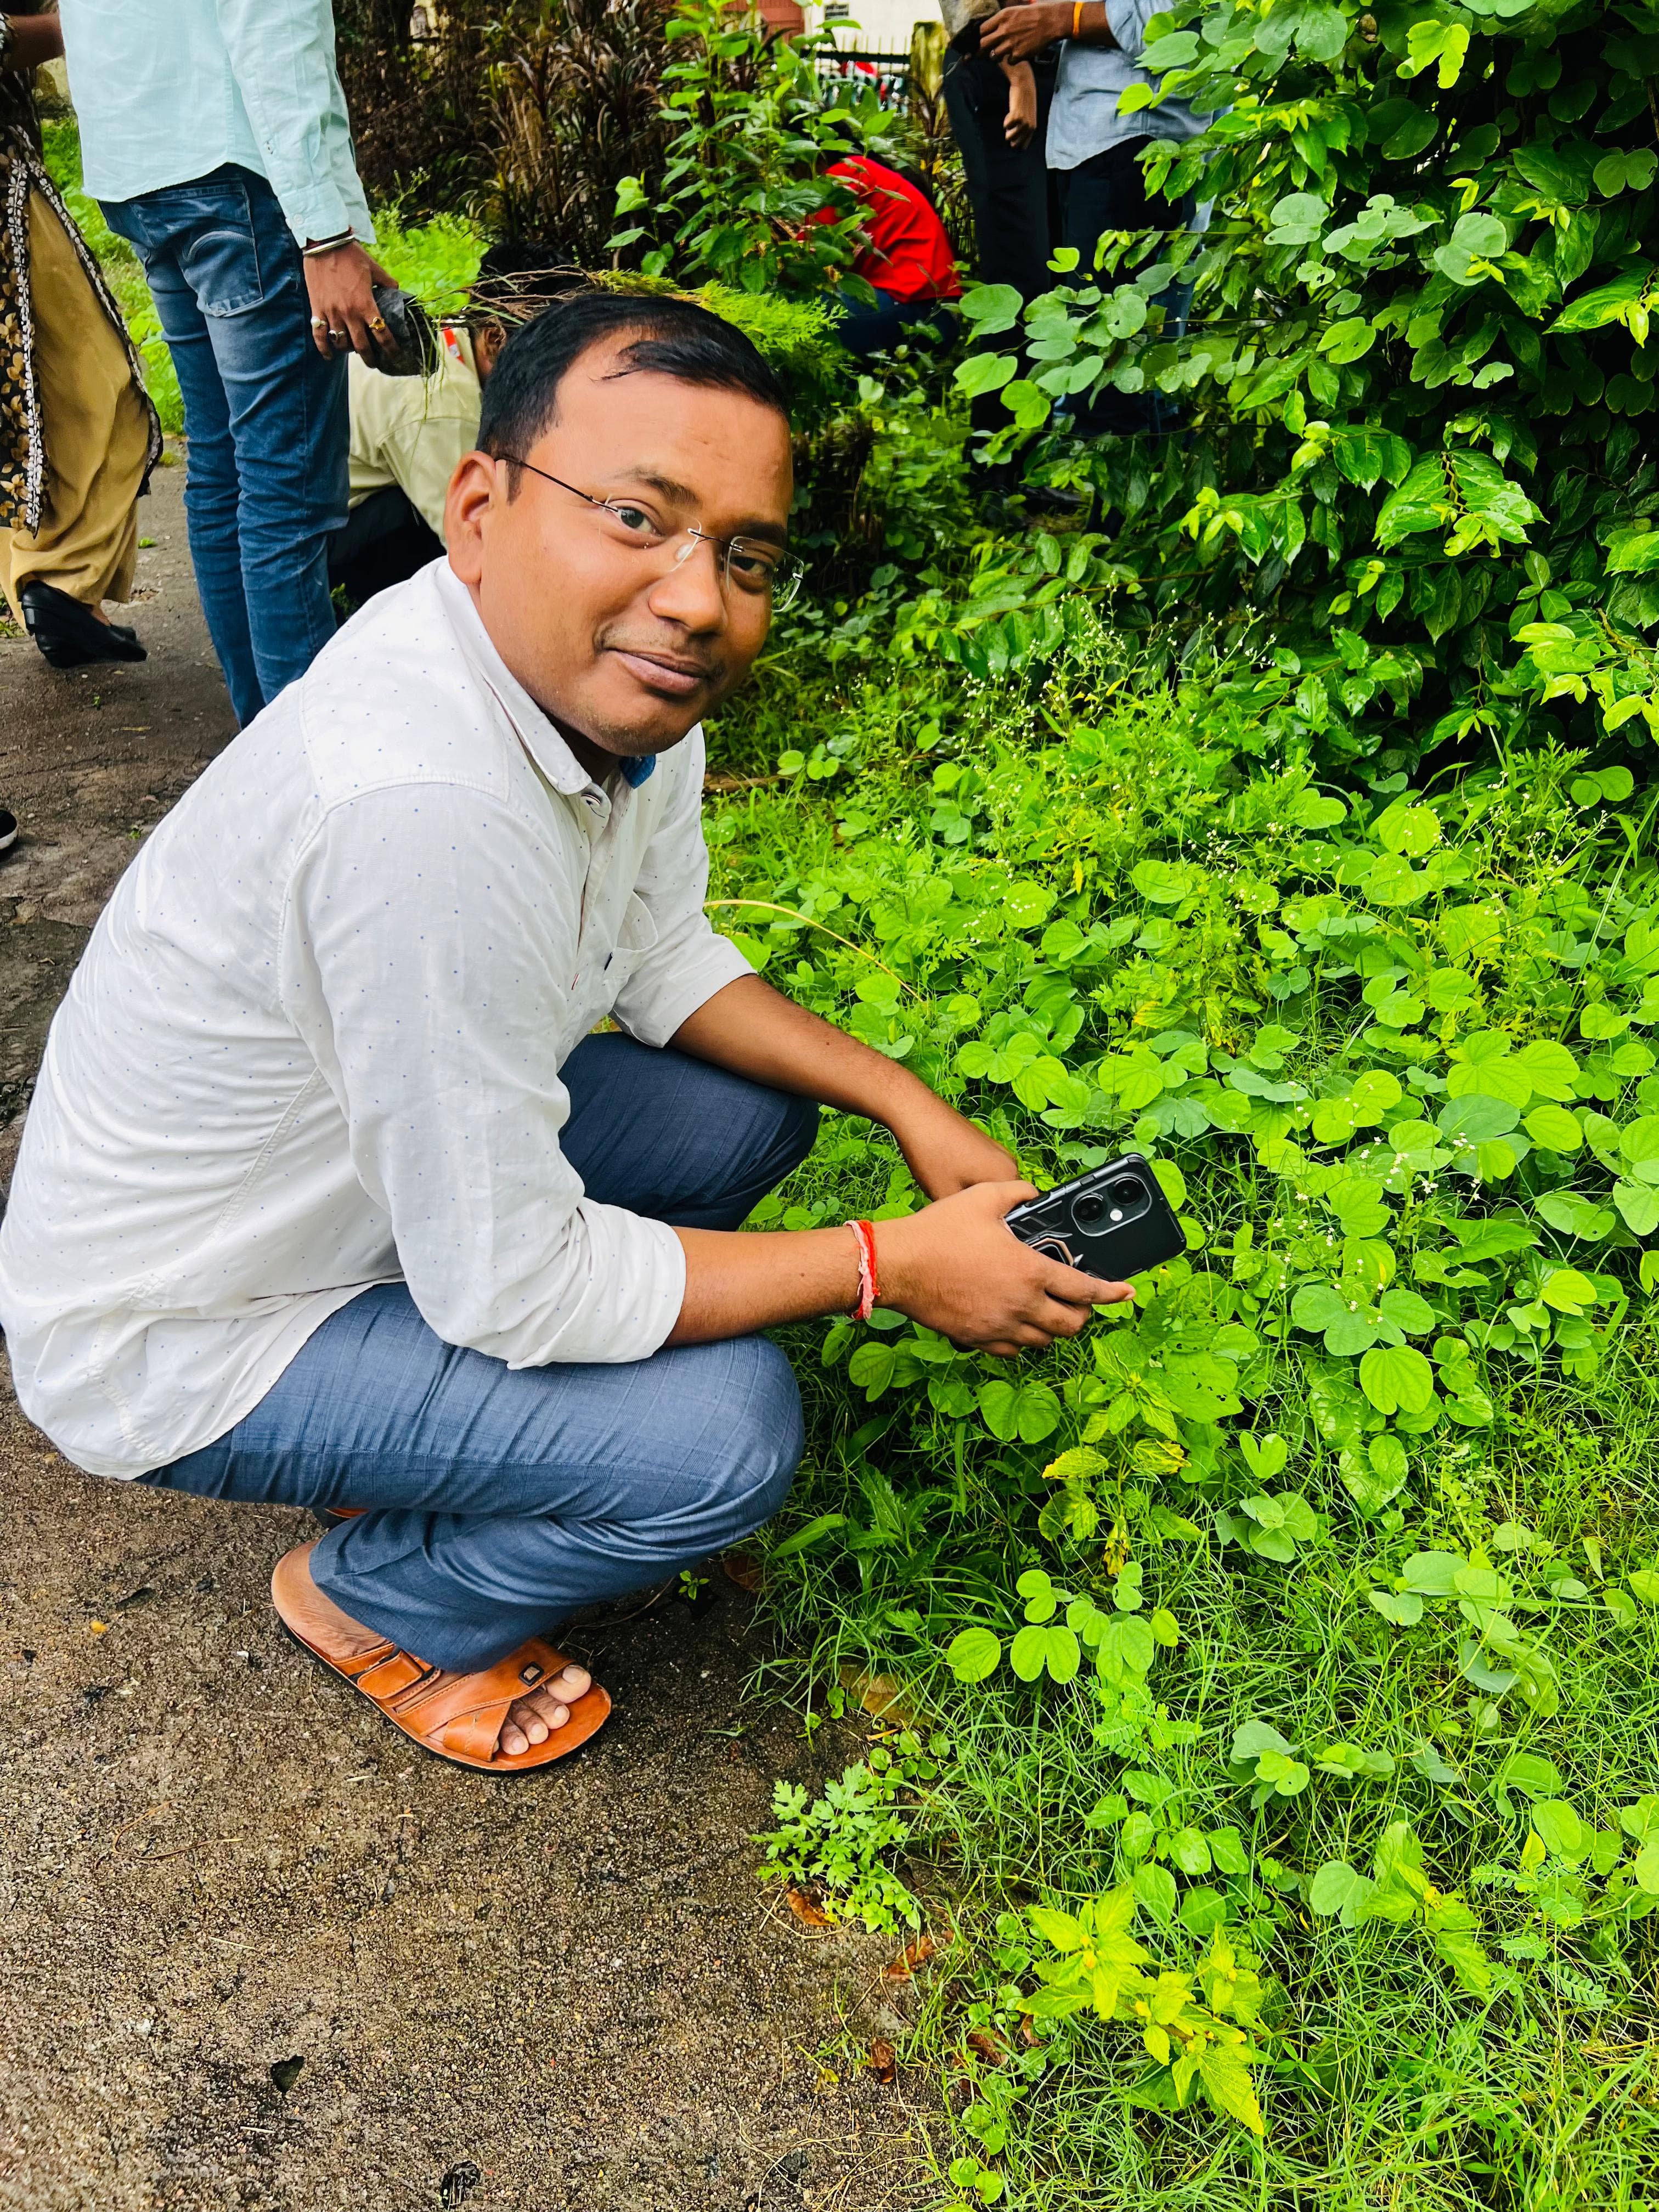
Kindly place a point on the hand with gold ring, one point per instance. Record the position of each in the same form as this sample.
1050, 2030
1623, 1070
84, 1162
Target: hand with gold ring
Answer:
340, 280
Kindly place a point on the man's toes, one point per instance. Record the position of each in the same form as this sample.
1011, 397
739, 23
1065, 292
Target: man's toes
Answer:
550, 1706
532, 1720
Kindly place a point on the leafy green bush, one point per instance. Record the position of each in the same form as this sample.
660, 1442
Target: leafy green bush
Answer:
743, 182
1417, 378
574, 104
1311, 1603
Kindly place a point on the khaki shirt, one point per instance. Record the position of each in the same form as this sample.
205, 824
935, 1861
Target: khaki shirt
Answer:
412, 430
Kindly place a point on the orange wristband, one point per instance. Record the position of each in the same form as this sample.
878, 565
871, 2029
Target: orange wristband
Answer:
1077, 17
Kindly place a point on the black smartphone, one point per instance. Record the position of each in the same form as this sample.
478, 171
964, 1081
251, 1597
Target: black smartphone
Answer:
1114, 1222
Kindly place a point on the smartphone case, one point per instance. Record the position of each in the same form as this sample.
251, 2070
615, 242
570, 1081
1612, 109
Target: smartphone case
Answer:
1114, 1222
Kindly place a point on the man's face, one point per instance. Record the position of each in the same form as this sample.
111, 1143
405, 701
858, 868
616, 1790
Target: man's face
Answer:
617, 639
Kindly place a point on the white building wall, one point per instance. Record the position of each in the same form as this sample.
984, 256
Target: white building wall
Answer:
879, 26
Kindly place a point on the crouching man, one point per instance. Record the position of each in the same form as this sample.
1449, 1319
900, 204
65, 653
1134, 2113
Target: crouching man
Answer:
330, 1195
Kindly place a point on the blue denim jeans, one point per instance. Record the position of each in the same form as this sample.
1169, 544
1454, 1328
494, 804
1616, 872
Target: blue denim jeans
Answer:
266, 415
499, 1500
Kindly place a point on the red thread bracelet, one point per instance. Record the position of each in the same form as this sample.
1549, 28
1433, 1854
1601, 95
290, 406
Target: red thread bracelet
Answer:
864, 1236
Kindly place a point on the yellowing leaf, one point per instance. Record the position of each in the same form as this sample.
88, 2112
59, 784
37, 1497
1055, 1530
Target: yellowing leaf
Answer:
1226, 2082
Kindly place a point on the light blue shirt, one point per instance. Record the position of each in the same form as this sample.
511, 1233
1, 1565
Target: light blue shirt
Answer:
167, 90
1084, 118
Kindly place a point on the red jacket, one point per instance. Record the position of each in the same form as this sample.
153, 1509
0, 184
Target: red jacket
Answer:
909, 256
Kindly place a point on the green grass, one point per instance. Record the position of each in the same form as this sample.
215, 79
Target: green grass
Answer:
1093, 868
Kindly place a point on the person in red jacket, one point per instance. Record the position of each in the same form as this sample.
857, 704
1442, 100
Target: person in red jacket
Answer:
908, 261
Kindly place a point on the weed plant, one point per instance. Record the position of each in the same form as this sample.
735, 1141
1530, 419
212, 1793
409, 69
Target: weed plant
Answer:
1276, 1661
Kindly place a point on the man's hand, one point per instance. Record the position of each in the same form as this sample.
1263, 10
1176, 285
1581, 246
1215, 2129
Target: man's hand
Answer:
755, 1031
1014, 34
958, 1268
341, 284
1020, 122
945, 1152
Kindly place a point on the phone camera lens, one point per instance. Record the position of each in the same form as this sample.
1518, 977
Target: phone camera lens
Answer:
1089, 1210
1126, 1191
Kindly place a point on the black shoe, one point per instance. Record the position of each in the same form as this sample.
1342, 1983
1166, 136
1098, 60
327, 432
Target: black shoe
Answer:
70, 635
8, 828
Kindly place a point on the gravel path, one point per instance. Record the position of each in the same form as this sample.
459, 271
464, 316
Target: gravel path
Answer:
258, 1951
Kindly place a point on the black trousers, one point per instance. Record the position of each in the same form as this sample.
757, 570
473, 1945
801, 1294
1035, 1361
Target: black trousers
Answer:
1109, 192
1009, 189
385, 539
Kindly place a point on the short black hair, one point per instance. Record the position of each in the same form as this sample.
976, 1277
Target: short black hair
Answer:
669, 336
519, 277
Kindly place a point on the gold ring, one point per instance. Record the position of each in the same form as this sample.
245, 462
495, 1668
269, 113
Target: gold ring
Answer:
378, 323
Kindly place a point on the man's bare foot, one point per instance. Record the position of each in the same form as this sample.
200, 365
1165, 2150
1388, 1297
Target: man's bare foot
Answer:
315, 1617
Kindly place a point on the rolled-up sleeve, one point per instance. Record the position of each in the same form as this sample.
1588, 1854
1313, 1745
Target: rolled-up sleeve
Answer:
422, 967
689, 961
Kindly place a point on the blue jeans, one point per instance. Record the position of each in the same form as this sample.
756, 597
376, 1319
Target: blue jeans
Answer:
266, 415
499, 1500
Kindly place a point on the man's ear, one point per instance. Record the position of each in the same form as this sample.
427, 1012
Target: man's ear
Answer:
478, 484
487, 339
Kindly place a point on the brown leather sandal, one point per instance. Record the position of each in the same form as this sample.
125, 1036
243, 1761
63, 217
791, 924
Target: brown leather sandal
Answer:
454, 1716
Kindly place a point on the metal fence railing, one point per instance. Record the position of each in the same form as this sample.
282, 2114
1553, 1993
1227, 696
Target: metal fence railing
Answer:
888, 74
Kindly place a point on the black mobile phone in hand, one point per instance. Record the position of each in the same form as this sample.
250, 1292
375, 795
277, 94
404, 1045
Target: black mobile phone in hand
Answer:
1114, 1222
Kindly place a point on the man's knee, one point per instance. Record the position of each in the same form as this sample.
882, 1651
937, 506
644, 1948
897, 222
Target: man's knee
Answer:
764, 1436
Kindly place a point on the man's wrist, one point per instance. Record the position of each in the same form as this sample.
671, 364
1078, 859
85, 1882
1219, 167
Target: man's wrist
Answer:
906, 1104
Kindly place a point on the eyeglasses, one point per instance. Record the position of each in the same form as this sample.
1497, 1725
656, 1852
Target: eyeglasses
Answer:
749, 566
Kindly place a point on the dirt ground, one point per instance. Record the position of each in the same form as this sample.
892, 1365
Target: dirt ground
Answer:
257, 1950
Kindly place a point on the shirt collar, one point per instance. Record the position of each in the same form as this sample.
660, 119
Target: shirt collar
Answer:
540, 739
536, 734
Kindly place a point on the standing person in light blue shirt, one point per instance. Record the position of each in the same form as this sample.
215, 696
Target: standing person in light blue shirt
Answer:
214, 135
1094, 151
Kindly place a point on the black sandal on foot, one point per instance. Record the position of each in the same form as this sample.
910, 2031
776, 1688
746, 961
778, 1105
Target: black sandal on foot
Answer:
70, 635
